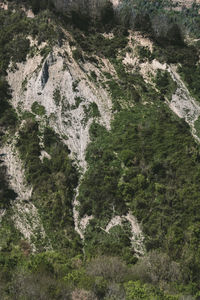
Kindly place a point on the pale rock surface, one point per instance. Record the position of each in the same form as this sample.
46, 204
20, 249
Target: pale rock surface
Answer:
182, 103
44, 154
80, 224
137, 238
57, 72
3, 5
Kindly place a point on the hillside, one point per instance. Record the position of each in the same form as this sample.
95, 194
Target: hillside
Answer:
99, 151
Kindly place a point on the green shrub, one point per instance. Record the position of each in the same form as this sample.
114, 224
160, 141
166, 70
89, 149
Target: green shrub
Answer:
107, 13
166, 85
91, 111
93, 75
75, 85
57, 96
7, 195
136, 291
77, 55
190, 73
144, 53
110, 268
96, 43
78, 101
158, 269
38, 109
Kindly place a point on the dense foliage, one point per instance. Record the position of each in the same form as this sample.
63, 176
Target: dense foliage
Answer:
53, 179
161, 18
149, 164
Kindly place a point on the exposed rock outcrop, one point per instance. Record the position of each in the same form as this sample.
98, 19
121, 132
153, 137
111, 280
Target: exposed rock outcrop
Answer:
62, 87
68, 92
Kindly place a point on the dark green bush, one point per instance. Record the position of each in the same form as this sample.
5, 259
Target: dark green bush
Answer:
38, 109
165, 84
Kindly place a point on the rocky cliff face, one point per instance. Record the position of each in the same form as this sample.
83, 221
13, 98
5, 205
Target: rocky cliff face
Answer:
72, 100
73, 94
63, 89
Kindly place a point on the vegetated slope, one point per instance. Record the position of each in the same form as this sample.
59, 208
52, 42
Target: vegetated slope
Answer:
105, 176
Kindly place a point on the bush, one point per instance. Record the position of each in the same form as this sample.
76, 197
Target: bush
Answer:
77, 55
138, 291
38, 109
158, 269
107, 13
165, 84
110, 268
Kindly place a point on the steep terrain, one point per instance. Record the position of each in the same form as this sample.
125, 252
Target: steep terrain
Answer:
100, 160
63, 95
